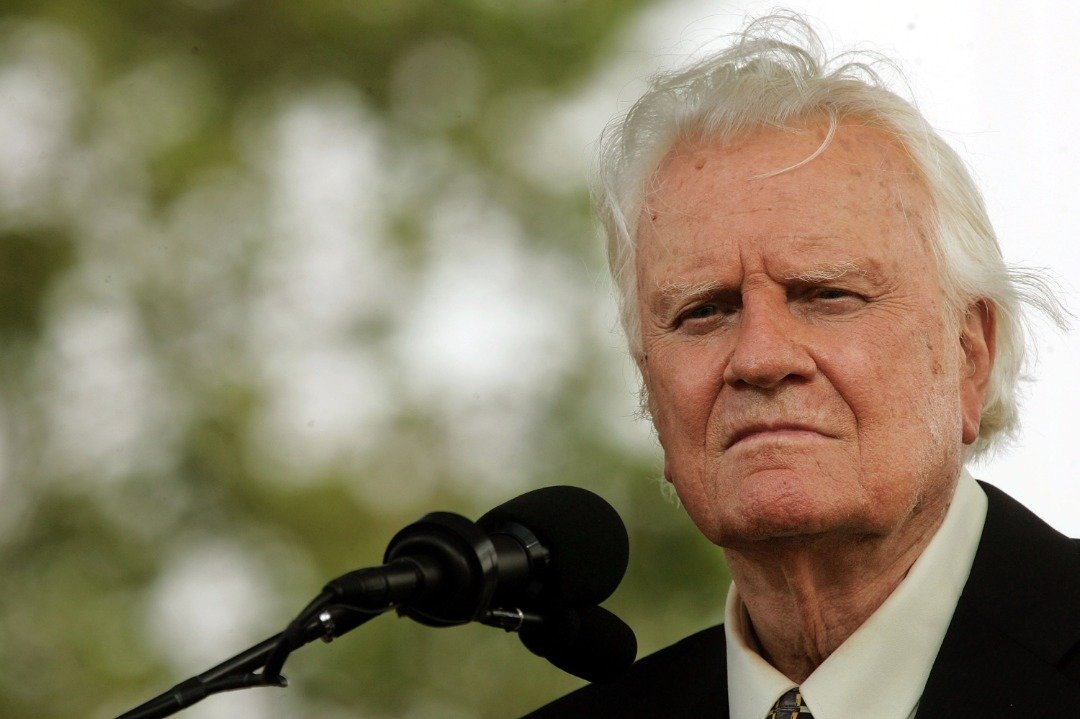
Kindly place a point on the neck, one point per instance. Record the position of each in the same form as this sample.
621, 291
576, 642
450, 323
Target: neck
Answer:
806, 596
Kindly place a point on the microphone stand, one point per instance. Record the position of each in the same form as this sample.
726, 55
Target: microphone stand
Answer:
238, 672
442, 571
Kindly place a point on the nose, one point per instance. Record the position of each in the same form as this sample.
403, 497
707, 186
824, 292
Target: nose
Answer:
767, 346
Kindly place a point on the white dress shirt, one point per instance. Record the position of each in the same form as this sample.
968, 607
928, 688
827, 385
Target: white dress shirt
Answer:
881, 669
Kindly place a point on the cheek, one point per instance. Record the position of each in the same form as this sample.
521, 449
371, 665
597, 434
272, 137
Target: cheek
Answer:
886, 365
902, 389
682, 387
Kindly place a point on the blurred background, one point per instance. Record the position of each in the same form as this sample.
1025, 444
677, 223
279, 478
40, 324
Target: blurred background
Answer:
278, 278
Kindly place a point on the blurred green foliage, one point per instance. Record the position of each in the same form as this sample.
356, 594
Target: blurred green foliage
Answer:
184, 459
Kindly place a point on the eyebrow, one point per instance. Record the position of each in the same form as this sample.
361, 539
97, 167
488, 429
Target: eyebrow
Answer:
829, 271
670, 294
674, 293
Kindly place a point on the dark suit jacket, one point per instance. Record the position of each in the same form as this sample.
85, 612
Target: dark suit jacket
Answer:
1011, 650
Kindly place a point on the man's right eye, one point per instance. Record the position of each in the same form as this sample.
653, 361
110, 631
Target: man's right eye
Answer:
701, 312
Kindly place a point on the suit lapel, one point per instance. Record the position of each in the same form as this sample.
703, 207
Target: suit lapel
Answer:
1016, 622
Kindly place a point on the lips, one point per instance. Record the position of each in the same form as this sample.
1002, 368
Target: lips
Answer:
758, 428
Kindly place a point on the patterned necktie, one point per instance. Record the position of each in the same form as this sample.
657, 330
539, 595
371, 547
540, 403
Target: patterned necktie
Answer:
790, 706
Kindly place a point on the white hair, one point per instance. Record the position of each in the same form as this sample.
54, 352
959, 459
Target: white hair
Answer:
775, 74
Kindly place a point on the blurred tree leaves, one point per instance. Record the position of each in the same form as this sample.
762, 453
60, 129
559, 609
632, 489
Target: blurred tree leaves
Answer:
28, 264
276, 279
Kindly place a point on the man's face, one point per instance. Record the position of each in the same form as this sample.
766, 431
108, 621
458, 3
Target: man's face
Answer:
801, 373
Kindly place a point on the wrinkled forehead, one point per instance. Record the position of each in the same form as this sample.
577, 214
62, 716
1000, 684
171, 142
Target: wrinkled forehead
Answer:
863, 151
856, 168
823, 198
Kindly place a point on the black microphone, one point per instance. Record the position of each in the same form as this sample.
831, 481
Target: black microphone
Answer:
590, 643
547, 549
584, 536
538, 565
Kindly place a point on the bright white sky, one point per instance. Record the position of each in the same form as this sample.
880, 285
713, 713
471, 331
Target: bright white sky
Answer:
999, 81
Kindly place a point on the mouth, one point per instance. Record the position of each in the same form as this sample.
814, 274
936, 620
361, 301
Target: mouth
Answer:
773, 430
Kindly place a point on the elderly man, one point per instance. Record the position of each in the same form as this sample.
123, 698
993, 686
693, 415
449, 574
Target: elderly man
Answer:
827, 332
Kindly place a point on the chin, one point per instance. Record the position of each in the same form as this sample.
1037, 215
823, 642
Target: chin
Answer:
780, 504
753, 531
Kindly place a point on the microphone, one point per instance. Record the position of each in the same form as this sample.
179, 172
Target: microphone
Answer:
583, 534
548, 549
590, 643
538, 565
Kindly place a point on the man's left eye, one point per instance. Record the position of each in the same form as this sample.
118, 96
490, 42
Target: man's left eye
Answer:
833, 299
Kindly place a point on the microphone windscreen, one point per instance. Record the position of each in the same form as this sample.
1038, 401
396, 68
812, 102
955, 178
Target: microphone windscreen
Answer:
584, 534
590, 643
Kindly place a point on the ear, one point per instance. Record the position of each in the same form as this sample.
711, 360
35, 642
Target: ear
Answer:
978, 342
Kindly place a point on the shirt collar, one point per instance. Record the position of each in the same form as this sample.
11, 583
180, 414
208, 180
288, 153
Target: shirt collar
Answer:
881, 669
